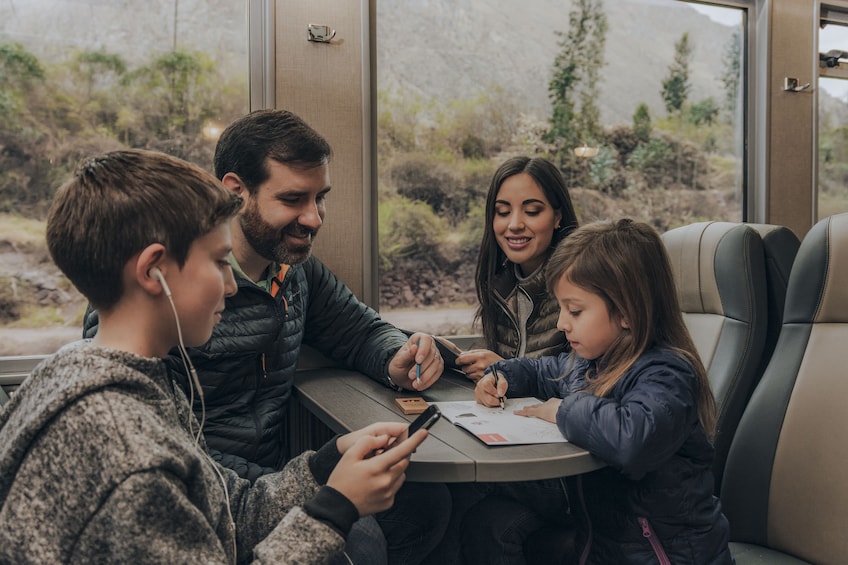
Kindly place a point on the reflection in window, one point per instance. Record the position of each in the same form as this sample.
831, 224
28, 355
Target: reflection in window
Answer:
833, 113
79, 77
642, 110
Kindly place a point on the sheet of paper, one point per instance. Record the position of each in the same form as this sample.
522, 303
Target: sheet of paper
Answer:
494, 426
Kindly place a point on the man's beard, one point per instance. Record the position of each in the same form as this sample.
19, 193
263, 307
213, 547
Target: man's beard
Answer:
269, 242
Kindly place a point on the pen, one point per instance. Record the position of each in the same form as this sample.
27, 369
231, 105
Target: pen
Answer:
500, 398
418, 368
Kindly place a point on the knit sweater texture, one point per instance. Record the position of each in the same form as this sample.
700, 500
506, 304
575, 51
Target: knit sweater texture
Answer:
100, 462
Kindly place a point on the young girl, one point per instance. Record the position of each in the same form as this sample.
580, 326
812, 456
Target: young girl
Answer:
634, 393
528, 212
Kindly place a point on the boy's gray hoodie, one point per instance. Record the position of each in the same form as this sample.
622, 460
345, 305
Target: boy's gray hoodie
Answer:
99, 463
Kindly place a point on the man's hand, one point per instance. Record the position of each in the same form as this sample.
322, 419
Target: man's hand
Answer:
419, 349
545, 411
368, 474
474, 362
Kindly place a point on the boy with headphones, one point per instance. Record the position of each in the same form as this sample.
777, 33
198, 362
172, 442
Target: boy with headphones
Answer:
101, 457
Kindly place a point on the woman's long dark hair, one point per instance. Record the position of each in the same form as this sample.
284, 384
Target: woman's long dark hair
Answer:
492, 259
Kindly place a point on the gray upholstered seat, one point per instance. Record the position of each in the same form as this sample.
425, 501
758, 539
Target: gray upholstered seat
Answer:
780, 245
719, 269
785, 490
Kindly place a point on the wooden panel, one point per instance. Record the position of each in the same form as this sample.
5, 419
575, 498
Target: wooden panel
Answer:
323, 84
790, 115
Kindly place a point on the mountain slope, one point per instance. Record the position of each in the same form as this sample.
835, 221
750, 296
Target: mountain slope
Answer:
460, 48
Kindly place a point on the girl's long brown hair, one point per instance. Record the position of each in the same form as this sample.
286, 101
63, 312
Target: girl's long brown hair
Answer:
626, 264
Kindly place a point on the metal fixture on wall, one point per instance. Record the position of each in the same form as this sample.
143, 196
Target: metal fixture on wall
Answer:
791, 84
320, 33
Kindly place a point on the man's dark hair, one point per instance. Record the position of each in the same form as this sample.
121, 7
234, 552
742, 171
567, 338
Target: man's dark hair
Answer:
247, 144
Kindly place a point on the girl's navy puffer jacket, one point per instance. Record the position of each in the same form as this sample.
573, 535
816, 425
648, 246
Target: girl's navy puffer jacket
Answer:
655, 497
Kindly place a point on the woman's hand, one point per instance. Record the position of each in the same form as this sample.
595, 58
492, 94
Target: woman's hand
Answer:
474, 362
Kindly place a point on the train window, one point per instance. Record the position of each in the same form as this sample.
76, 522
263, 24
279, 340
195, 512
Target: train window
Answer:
833, 112
83, 76
640, 104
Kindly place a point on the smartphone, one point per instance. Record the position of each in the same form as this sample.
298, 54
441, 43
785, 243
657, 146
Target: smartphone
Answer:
449, 352
425, 420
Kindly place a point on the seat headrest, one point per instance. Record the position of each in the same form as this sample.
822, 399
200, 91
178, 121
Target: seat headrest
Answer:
697, 253
818, 285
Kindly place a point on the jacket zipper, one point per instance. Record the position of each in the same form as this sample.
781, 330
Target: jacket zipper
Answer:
523, 336
652, 538
512, 319
585, 555
277, 289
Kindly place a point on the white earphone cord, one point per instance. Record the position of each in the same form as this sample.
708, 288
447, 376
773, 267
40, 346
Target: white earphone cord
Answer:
194, 382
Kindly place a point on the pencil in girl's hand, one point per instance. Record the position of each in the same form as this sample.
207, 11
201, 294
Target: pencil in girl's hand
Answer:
497, 378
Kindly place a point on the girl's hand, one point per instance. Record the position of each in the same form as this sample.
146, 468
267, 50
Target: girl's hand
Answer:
474, 362
487, 394
545, 411
371, 481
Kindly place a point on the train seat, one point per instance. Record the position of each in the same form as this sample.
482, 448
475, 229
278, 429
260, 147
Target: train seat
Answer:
720, 273
780, 245
784, 488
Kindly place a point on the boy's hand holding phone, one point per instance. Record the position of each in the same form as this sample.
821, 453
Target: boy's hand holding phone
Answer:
391, 430
369, 474
425, 420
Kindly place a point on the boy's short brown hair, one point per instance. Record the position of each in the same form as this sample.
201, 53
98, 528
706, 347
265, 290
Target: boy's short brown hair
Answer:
118, 203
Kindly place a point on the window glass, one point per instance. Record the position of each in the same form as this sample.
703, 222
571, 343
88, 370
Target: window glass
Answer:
79, 77
639, 103
833, 114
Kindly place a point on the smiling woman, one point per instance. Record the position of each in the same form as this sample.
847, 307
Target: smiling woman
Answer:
528, 212
524, 222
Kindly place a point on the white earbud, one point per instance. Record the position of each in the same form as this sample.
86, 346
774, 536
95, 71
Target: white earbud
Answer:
194, 385
158, 274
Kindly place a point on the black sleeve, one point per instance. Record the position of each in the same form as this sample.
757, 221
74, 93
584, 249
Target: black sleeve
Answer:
333, 508
324, 461
345, 329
